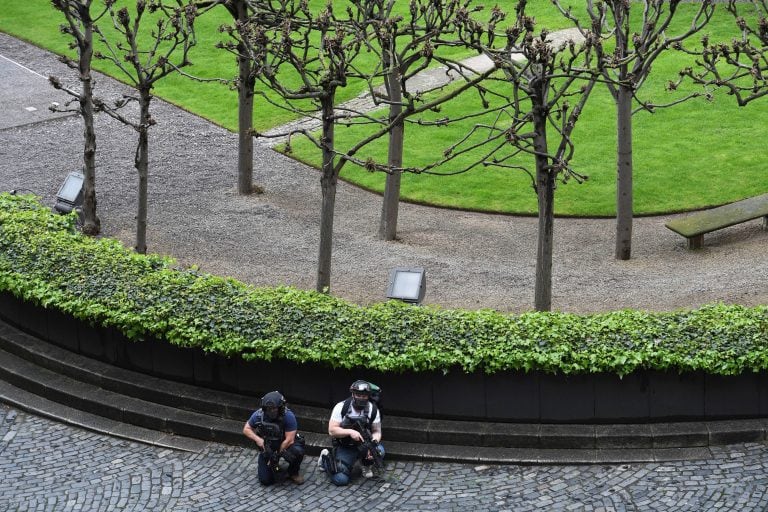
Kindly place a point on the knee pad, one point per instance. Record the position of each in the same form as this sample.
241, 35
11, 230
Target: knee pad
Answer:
340, 479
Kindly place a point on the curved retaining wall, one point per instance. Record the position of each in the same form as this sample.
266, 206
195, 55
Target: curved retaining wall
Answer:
643, 396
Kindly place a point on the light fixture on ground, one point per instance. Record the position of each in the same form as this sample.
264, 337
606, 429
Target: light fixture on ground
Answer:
70, 194
407, 284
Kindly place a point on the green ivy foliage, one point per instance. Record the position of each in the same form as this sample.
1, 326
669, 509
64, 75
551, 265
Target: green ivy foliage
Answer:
45, 260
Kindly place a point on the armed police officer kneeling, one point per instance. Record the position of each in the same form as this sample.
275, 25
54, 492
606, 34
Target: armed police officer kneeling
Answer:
355, 427
273, 428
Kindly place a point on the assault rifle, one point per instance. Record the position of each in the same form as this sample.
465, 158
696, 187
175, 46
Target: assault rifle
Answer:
370, 445
271, 432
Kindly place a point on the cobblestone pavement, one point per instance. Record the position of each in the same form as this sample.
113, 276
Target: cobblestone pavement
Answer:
45, 465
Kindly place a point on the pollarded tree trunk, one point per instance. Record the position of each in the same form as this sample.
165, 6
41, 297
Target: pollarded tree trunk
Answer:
91, 222
389, 209
245, 86
244, 124
328, 186
142, 166
545, 189
80, 27
624, 210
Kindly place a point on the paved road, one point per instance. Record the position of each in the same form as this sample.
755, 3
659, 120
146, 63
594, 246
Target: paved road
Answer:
45, 465
28, 100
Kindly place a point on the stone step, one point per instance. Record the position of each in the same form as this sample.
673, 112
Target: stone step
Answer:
311, 419
123, 396
108, 404
44, 407
40, 406
219, 403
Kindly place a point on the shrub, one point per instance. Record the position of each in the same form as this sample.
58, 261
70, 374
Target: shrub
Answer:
45, 260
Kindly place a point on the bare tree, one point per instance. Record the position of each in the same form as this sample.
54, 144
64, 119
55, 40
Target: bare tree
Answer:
740, 66
169, 39
639, 40
240, 11
549, 89
80, 22
406, 46
305, 57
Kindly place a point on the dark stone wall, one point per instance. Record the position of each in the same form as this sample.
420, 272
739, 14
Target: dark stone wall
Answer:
515, 397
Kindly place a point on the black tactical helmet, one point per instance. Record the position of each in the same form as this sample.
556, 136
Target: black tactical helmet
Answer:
360, 387
273, 399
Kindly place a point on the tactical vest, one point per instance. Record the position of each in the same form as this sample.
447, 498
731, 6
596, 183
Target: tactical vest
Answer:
370, 417
262, 430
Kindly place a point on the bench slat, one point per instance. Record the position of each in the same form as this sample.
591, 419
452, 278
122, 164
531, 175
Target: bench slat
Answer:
707, 221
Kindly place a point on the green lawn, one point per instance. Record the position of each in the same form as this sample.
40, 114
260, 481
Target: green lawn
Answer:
694, 155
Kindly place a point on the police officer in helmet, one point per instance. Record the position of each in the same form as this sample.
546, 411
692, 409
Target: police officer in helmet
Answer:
273, 427
347, 418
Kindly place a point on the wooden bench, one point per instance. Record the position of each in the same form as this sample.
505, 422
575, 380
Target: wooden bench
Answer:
694, 226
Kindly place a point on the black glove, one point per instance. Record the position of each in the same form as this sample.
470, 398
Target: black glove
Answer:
267, 452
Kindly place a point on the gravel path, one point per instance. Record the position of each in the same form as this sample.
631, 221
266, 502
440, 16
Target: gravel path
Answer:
472, 260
